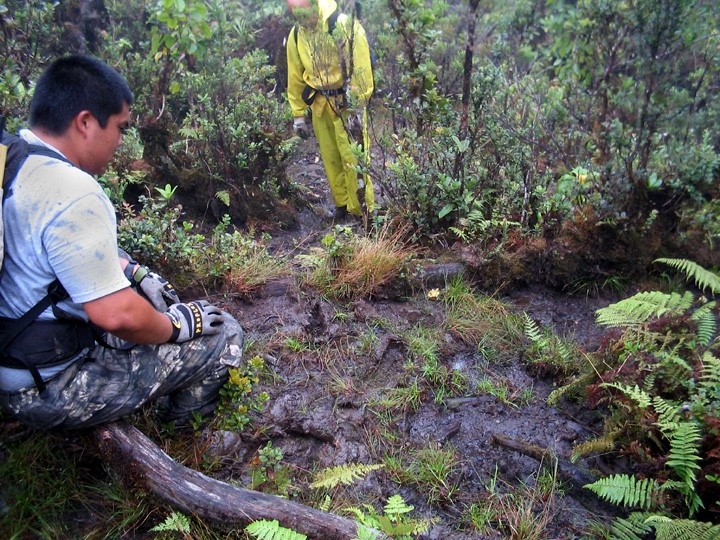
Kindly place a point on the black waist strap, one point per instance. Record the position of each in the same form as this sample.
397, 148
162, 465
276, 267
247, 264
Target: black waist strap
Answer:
309, 93
44, 344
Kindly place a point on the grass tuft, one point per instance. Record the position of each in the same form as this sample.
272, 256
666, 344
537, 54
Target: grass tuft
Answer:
350, 266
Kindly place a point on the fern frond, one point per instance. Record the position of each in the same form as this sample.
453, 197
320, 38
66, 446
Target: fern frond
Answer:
706, 321
668, 415
625, 490
342, 474
325, 504
640, 308
396, 505
175, 522
685, 452
673, 361
681, 529
532, 330
271, 530
704, 279
637, 394
710, 376
367, 517
364, 533
632, 528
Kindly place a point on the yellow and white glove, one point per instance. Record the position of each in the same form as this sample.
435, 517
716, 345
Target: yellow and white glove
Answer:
194, 319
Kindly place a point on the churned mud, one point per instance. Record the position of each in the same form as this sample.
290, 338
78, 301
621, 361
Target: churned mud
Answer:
324, 397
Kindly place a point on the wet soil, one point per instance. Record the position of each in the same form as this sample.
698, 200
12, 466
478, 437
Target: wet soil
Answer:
323, 409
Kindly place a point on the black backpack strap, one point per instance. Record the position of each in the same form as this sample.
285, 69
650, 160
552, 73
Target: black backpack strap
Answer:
56, 293
18, 151
332, 21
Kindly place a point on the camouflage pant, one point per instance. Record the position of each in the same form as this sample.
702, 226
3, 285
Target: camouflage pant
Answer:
108, 384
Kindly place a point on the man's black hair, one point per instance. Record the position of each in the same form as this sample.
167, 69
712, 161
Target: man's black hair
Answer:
74, 84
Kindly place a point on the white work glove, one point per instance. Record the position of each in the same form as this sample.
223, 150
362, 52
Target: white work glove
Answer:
156, 288
300, 127
355, 122
193, 319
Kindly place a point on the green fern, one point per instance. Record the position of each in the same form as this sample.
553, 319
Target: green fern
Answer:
342, 474
175, 522
642, 307
637, 394
394, 522
684, 447
641, 524
682, 529
271, 530
625, 490
683, 460
710, 376
325, 504
632, 528
532, 330
669, 417
365, 533
704, 279
396, 506
707, 323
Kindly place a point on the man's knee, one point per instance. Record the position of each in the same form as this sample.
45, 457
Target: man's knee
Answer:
234, 341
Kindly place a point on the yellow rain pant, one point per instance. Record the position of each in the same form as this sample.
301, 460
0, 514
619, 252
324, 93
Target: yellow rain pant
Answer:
339, 160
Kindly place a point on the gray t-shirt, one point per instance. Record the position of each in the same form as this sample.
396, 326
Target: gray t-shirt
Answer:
58, 223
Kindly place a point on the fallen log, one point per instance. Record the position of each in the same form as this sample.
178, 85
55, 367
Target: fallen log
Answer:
143, 462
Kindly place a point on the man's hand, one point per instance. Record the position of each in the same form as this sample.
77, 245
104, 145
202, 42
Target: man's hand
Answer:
156, 288
355, 120
355, 127
300, 127
193, 319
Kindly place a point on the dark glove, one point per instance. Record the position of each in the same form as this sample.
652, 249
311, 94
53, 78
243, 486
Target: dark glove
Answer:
193, 319
300, 127
156, 288
355, 126
355, 121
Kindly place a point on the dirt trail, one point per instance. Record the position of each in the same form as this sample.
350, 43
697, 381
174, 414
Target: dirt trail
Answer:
323, 408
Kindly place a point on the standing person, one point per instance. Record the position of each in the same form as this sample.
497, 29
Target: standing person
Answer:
329, 72
60, 233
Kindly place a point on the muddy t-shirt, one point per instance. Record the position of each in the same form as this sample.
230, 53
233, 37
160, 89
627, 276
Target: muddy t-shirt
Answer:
58, 223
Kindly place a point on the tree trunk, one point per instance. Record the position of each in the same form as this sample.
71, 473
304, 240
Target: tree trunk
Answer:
139, 460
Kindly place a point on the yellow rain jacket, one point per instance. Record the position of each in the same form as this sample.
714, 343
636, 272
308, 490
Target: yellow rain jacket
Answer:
321, 61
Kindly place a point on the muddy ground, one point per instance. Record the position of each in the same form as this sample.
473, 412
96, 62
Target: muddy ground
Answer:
320, 413
331, 364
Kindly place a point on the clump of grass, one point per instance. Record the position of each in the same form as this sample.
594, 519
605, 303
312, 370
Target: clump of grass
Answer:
241, 263
435, 471
349, 266
39, 481
479, 320
520, 513
45, 484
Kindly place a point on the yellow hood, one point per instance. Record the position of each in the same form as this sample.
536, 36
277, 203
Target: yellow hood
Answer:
326, 8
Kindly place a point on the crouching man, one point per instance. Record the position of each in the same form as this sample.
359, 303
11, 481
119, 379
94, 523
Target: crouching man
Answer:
105, 341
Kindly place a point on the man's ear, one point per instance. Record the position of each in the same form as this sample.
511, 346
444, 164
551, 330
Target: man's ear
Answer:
82, 122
